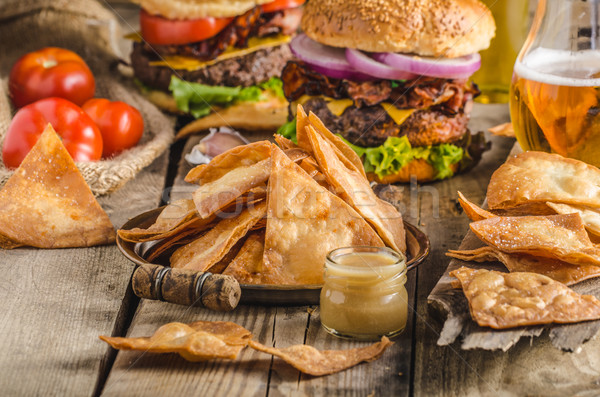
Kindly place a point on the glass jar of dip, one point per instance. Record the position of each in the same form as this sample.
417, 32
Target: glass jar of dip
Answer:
363, 295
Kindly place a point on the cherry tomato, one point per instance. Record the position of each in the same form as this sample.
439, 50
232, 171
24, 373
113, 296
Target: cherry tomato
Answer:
121, 125
281, 5
162, 31
79, 133
50, 72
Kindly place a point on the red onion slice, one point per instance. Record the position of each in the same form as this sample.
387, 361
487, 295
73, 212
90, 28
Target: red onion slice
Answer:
448, 68
365, 64
326, 60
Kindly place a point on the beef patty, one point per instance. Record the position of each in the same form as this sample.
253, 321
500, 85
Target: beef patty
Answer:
245, 71
370, 126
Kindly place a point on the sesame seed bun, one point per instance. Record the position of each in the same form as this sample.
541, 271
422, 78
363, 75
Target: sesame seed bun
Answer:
449, 28
193, 9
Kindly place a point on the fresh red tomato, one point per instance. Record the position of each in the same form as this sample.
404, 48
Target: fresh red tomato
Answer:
281, 5
120, 124
79, 133
163, 31
50, 72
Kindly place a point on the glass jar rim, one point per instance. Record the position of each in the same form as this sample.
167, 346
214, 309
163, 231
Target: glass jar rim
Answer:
366, 249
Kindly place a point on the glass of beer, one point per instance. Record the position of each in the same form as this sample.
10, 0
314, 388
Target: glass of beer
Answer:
493, 78
555, 89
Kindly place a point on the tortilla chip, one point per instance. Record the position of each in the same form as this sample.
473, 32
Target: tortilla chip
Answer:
213, 196
505, 129
209, 249
589, 216
301, 124
311, 361
197, 341
219, 166
474, 212
46, 203
356, 191
560, 271
561, 237
171, 220
304, 223
250, 116
247, 266
506, 300
8, 244
284, 143
541, 177
533, 208
182, 237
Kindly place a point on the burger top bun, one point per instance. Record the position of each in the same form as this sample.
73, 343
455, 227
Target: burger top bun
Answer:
449, 28
193, 9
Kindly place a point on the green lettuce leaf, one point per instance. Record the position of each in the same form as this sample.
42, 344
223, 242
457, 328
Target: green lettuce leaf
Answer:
288, 130
198, 99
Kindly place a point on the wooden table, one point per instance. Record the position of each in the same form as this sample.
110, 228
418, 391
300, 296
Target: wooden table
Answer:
55, 303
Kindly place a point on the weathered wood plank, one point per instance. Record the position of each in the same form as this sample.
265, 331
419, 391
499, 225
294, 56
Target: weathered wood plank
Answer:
54, 303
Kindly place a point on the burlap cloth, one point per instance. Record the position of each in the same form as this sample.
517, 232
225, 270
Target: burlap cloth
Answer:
92, 31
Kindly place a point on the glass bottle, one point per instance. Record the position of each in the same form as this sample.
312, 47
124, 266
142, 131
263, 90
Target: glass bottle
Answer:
554, 97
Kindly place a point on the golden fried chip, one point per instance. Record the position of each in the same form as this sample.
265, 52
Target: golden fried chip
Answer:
505, 129
589, 216
285, 143
560, 271
356, 191
8, 244
541, 177
171, 218
247, 267
48, 204
561, 237
209, 249
239, 156
506, 300
296, 154
213, 196
197, 341
474, 212
532, 208
304, 222
301, 124
309, 360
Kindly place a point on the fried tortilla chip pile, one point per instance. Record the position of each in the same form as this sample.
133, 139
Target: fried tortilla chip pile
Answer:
47, 203
205, 340
542, 221
268, 214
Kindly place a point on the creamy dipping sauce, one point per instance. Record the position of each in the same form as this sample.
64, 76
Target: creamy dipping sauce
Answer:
363, 295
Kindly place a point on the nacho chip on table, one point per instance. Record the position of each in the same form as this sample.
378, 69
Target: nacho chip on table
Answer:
563, 272
474, 212
541, 177
197, 341
48, 204
304, 222
561, 237
311, 361
247, 266
589, 216
507, 300
211, 247
356, 190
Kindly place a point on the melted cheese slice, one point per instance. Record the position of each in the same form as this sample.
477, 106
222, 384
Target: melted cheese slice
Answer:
338, 106
191, 64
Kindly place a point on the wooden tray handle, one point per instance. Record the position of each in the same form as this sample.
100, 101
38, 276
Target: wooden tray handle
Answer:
186, 287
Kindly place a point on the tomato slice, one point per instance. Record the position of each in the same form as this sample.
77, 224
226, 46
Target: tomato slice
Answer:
281, 5
162, 31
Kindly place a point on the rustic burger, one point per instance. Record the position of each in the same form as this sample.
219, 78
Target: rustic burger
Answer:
195, 56
391, 77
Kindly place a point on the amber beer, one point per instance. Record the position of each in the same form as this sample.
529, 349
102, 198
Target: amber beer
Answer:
554, 103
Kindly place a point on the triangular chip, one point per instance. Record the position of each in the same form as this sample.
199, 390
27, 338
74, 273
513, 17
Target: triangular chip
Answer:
198, 341
209, 249
247, 267
541, 177
474, 212
589, 216
304, 223
506, 300
356, 191
47, 203
560, 271
561, 237
309, 360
